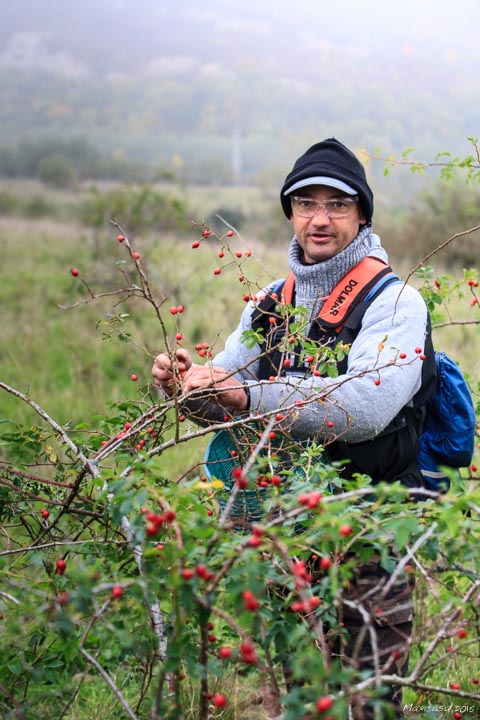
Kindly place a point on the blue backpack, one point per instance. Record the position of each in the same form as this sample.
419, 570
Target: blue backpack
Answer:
448, 439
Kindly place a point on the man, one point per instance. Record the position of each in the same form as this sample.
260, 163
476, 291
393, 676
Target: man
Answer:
327, 199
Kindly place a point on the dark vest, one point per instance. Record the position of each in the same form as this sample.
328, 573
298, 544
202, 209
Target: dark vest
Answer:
391, 455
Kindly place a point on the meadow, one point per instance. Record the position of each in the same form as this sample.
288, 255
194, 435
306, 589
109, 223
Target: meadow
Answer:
60, 345
73, 343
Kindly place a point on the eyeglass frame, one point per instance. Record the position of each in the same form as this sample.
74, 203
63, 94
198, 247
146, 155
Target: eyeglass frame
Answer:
350, 201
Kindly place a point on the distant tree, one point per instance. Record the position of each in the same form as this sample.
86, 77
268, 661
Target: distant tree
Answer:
140, 208
433, 217
56, 171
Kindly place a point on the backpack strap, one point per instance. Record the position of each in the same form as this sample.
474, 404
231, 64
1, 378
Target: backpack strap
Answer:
363, 282
288, 289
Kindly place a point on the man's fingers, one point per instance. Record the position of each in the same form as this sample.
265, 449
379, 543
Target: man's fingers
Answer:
184, 361
181, 364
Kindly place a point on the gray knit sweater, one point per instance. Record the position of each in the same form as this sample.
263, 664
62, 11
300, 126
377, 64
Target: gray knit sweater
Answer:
358, 407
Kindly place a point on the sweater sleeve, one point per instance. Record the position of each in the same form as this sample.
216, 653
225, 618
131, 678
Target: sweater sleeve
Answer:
383, 373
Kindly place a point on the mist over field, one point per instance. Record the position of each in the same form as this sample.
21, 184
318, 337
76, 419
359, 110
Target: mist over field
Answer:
227, 92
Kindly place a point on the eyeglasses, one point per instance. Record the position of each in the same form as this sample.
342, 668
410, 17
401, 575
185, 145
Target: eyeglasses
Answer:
334, 208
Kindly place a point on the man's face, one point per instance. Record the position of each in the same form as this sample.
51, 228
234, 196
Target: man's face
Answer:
322, 237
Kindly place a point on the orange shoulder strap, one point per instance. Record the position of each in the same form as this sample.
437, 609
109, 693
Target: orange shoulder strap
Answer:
354, 285
287, 289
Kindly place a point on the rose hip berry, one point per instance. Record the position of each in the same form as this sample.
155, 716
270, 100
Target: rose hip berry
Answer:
325, 563
219, 700
323, 704
247, 652
117, 592
60, 566
74, 272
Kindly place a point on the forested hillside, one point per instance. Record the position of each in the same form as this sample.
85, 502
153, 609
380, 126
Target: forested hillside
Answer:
216, 94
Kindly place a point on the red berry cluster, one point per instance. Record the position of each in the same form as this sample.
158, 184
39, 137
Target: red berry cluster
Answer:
247, 652
203, 573
200, 571
301, 574
255, 539
206, 233
307, 606
264, 481
241, 480
203, 350
155, 521
176, 309
311, 499
250, 602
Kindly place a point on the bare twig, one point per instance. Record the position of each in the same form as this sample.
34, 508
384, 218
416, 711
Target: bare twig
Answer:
441, 247
103, 673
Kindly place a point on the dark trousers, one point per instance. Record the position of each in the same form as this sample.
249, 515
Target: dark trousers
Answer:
379, 631
376, 635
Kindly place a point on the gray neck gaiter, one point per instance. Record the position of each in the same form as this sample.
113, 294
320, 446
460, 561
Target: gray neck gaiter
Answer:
314, 283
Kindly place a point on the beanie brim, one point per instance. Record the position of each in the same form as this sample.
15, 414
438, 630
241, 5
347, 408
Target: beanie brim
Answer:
322, 180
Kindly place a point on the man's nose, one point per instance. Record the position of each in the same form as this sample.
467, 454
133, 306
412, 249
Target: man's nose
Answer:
320, 216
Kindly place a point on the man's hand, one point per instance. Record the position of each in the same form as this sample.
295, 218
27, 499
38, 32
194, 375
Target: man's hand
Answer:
226, 390
183, 376
167, 375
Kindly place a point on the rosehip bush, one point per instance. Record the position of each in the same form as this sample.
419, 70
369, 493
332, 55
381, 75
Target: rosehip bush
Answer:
122, 575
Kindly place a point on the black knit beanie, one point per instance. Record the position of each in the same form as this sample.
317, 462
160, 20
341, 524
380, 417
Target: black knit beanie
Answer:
324, 161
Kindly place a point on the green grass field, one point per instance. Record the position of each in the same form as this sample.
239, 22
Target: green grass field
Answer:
58, 354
